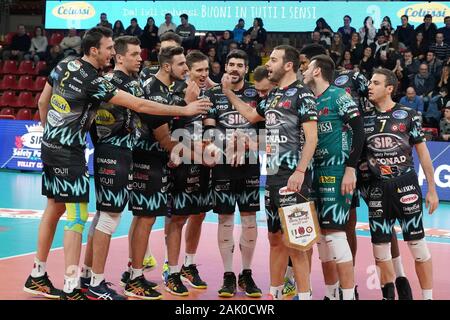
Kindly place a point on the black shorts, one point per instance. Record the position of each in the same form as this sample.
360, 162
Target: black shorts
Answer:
68, 184
113, 177
150, 185
396, 199
191, 189
227, 192
355, 200
274, 201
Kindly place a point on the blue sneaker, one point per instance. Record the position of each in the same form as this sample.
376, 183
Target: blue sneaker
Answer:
165, 272
103, 292
84, 284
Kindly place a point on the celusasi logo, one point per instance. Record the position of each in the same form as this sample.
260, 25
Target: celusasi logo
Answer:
77, 10
417, 12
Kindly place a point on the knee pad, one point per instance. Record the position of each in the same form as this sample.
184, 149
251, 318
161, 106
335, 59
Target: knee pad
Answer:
77, 215
382, 251
108, 222
225, 231
419, 250
322, 247
94, 224
338, 248
249, 231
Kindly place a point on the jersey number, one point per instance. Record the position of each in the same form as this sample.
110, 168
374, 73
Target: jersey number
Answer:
66, 75
382, 125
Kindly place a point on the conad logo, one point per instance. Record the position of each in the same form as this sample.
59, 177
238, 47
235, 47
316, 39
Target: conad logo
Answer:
60, 104
417, 11
77, 10
104, 118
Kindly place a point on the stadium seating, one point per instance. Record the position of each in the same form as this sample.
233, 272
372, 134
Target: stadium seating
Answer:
9, 67
8, 37
24, 114
8, 82
36, 100
36, 116
7, 117
56, 38
40, 66
39, 84
25, 83
25, 67
8, 99
25, 99
7, 112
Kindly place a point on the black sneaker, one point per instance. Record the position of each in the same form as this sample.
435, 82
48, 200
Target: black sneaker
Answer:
41, 286
228, 289
356, 293
190, 274
175, 286
248, 285
403, 289
139, 288
126, 276
76, 294
103, 292
388, 291
84, 284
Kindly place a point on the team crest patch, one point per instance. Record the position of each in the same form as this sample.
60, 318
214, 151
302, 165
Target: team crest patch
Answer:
291, 92
341, 80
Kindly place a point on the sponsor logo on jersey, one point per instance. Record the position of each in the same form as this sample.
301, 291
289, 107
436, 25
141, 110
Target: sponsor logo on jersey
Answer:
400, 114
250, 93
376, 193
104, 118
284, 191
412, 209
376, 214
59, 104
291, 92
385, 170
54, 118
394, 128
327, 179
341, 80
74, 65
409, 198
194, 170
286, 104
321, 152
324, 111
273, 119
402, 127
375, 204
383, 142
325, 127
364, 166
406, 189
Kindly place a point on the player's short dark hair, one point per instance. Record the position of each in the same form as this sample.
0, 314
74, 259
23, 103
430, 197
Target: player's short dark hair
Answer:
134, 19
404, 16
326, 65
166, 54
121, 44
390, 78
428, 16
194, 57
93, 37
184, 15
260, 73
313, 49
238, 54
290, 55
170, 36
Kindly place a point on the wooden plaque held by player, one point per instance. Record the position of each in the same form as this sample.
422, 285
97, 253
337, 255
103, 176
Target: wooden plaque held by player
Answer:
300, 225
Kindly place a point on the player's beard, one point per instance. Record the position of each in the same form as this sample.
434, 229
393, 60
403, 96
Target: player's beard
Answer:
176, 77
277, 75
239, 77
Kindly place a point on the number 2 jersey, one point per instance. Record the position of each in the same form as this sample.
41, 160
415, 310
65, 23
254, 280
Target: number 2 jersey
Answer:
285, 110
77, 91
389, 138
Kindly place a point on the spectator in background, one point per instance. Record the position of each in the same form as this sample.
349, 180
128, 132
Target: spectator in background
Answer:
315, 38
367, 63
411, 100
104, 21
71, 44
445, 30
232, 45
39, 44
212, 55
444, 124
444, 80
54, 57
346, 30
386, 27
356, 48
238, 31
423, 82
224, 43
210, 41
167, 25
254, 58
186, 31
428, 29
258, 34
119, 29
419, 47
434, 65
346, 62
149, 36
410, 67
20, 45
440, 48
216, 74
326, 33
379, 46
368, 32
337, 48
405, 32
153, 56
133, 29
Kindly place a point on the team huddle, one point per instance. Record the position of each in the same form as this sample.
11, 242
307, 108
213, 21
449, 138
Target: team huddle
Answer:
170, 142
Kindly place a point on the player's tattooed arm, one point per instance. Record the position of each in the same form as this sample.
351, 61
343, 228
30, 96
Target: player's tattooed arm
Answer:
431, 199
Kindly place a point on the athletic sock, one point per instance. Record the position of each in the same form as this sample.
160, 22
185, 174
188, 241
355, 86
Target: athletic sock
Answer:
39, 268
